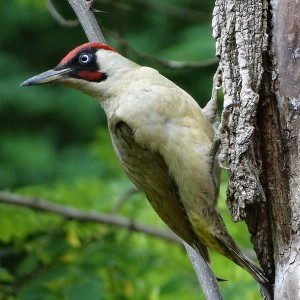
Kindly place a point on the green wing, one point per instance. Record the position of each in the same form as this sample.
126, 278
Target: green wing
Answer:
149, 172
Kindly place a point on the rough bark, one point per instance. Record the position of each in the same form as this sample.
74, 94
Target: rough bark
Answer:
240, 30
259, 48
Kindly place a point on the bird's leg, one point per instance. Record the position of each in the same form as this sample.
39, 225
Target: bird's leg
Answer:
222, 133
215, 147
211, 108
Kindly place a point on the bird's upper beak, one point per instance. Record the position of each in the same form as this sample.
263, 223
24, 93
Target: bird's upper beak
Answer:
47, 77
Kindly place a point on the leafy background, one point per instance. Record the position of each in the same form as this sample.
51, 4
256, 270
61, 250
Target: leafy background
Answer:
54, 144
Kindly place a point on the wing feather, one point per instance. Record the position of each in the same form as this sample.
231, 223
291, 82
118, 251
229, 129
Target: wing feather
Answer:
149, 172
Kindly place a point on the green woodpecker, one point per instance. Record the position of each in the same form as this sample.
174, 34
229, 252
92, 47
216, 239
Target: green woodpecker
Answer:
162, 139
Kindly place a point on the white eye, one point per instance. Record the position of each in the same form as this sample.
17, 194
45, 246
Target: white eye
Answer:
84, 58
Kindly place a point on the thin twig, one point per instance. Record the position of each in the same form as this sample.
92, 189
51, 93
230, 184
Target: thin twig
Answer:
175, 10
161, 7
172, 64
58, 17
82, 8
123, 198
88, 216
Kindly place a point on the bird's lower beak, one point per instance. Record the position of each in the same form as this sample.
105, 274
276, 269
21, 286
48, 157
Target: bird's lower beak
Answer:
46, 77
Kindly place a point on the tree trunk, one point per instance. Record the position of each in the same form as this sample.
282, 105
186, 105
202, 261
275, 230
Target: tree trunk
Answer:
286, 59
258, 46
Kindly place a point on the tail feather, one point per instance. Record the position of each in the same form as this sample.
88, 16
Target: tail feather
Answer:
243, 261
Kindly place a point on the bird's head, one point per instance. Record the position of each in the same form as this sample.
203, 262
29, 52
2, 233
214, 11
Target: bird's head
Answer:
86, 68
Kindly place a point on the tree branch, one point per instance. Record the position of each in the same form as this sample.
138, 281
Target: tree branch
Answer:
68, 212
205, 275
82, 8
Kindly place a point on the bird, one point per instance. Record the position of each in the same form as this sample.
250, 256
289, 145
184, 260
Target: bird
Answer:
162, 139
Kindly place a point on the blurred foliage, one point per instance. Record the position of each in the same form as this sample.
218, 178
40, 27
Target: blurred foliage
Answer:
54, 144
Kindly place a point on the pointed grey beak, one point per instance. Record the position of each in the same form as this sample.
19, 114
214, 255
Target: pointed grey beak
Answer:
46, 77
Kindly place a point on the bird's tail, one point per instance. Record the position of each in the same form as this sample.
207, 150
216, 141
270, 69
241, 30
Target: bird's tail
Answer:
211, 231
243, 261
